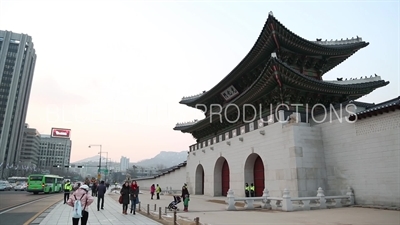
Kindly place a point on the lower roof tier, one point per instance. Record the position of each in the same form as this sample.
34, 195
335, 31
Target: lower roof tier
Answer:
280, 84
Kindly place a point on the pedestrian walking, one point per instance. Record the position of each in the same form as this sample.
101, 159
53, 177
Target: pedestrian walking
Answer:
152, 190
186, 203
185, 197
85, 200
134, 196
125, 194
101, 190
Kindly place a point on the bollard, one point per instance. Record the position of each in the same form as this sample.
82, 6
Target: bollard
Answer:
148, 209
159, 213
139, 207
166, 210
175, 218
155, 207
197, 220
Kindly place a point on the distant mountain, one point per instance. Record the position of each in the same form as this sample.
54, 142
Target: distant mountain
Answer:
164, 158
90, 159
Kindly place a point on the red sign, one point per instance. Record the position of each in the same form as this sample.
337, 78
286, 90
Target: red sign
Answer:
60, 133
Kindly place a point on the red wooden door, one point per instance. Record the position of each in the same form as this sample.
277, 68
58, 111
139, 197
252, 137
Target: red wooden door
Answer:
225, 178
202, 182
259, 176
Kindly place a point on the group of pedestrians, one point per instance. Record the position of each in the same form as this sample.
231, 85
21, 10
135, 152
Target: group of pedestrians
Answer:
155, 189
78, 197
129, 195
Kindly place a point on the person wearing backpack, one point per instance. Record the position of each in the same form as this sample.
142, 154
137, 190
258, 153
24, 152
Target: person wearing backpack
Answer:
80, 201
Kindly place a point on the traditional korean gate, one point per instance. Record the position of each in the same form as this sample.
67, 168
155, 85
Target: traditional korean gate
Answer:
259, 176
225, 178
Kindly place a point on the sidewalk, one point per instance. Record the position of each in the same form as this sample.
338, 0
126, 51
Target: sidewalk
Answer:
111, 215
212, 211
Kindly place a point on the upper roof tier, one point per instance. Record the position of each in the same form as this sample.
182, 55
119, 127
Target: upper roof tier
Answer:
312, 58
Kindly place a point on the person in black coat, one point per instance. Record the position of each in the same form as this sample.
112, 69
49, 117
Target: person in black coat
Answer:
125, 193
185, 194
101, 190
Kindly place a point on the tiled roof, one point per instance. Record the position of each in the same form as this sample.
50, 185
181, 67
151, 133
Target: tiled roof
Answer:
374, 110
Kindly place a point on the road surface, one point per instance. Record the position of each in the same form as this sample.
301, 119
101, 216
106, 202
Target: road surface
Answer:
20, 207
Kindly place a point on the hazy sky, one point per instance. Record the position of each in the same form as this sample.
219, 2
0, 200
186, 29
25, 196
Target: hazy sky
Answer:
114, 71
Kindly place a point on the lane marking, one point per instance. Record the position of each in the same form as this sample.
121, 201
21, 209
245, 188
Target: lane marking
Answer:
24, 204
38, 214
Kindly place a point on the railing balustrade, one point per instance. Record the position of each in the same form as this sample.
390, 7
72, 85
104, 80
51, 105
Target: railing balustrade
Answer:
288, 204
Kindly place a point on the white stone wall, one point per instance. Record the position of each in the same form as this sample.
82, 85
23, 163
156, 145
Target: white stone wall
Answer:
173, 180
365, 156
292, 154
307, 158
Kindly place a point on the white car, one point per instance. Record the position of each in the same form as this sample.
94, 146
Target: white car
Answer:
5, 186
20, 187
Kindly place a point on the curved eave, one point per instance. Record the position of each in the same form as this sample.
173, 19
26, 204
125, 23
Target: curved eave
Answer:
265, 41
266, 82
296, 80
180, 128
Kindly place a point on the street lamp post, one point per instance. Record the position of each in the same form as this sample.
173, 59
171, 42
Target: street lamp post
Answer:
105, 174
99, 172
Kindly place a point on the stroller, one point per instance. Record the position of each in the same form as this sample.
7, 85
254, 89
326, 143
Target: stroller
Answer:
173, 204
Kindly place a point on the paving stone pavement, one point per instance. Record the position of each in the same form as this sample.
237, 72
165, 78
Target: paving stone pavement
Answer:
61, 214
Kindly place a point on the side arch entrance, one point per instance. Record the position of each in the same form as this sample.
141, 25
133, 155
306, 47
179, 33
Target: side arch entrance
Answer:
221, 177
199, 180
254, 173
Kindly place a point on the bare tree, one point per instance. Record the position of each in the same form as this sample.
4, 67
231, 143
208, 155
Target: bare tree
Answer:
160, 167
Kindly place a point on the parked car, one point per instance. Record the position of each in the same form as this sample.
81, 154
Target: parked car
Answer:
5, 186
20, 187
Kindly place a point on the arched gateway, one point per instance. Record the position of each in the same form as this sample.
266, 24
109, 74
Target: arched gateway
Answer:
254, 173
199, 180
221, 177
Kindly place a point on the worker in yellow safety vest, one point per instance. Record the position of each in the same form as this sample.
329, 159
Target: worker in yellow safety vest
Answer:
247, 190
67, 189
252, 190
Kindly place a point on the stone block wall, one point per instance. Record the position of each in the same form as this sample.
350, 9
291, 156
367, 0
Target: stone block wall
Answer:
365, 156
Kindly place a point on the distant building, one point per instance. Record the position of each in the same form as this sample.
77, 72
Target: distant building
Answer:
141, 171
124, 163
17, 64
54, 152
30, 147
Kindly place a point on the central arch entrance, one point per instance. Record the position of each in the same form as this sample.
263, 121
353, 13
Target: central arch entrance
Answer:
254, 173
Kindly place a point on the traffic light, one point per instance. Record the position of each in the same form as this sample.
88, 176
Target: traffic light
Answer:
81, 167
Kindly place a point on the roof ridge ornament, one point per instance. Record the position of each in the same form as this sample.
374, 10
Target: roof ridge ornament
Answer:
186, 123
341, 41
273, 55
193, 96
271, 13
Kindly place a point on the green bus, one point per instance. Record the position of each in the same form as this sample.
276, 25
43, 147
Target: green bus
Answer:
44, 183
